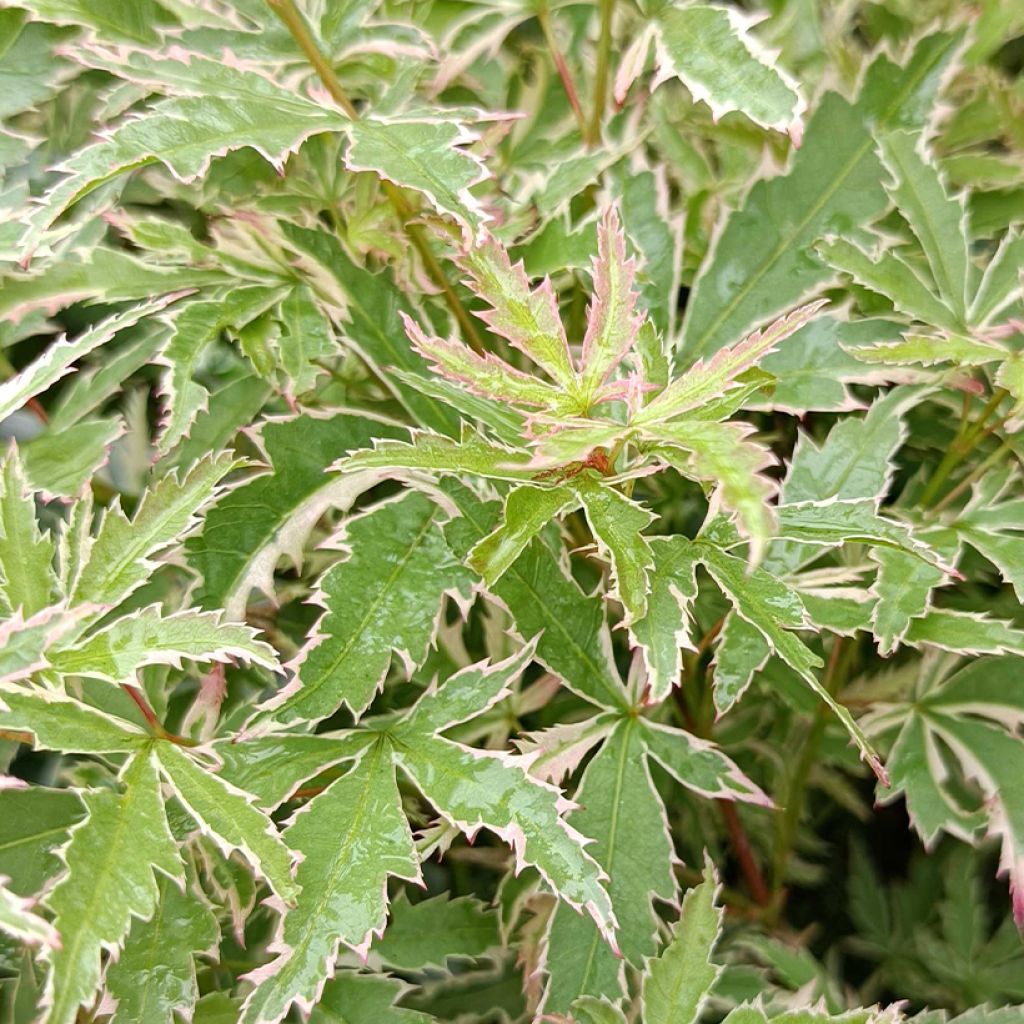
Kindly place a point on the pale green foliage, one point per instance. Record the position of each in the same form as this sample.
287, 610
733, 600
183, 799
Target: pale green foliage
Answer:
709, 49
465, 467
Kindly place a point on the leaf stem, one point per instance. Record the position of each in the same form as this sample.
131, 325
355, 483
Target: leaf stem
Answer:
963, 444
16, 736
744, 853
604, 51
544, 18
296, 24
738, 838
156, 727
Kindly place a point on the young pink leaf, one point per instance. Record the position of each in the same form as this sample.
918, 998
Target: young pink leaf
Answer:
612, 321
527, 319
485, 375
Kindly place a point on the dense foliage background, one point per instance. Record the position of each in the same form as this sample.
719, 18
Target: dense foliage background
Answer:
511, 511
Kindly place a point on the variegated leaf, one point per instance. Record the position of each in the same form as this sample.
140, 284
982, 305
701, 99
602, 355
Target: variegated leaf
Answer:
384, 599
110, 860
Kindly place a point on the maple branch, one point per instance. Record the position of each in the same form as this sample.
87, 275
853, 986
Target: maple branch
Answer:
604, 51
744, 853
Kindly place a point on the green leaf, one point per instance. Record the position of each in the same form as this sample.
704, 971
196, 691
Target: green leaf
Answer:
931, 807
589, 1010
119, 559
485, 375
430, 931
474, 789
835, 521
993, 530
622, 812
699, 765
1001, 282
91, 386
762, 260
543, 600
59, 722
433, 453
467, 693
527, 318
711, 51
156, 972
351, 838
720, 452
27, 49
971, 716
306, 339
27, 580
184, 134
618, 524
271, 767
58, 360
364, 999
124, 21
101, 274
773, 608
250, 528
384, 599
814, 367
903, 586
665, 629
368, 307
965, 633
756, 1015
528, 510
1011, 378
34, 824
228, 816
110, 861
424, 156
195, 328
707, 380
856, 460
508, 424
890, 275
147, 637
18, 921
938, 220
676, 984
930, 350
740, 653
573, 444
24, 642
60, 463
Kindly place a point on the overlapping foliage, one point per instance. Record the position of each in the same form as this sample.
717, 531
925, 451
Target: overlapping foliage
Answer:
511, 512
